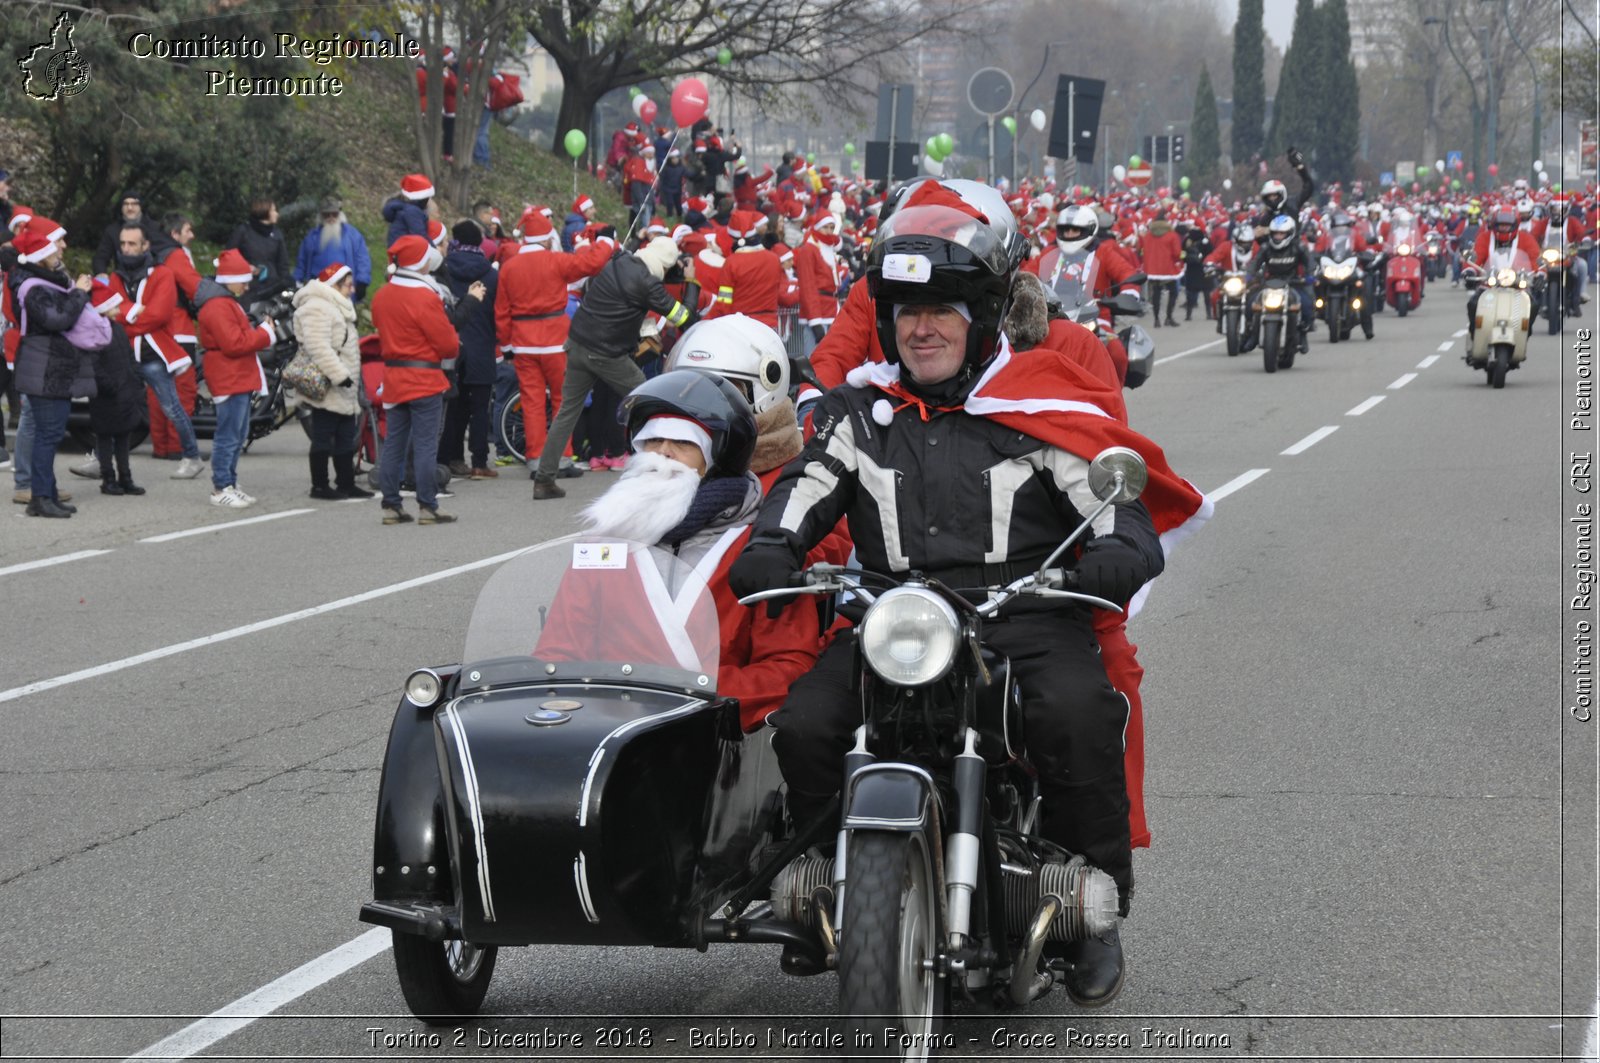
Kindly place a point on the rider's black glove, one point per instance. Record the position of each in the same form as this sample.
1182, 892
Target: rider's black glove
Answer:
1111, 569
1296, 159
764, 566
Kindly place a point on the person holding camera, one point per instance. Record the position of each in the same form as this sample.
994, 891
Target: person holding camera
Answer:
229, 344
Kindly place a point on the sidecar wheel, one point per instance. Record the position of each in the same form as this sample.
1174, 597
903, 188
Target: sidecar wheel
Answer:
890, 939
442, 980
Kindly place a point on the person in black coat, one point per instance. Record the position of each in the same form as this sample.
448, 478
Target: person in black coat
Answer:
1196, 246
130, 212
263, 246
118, 407
466, 422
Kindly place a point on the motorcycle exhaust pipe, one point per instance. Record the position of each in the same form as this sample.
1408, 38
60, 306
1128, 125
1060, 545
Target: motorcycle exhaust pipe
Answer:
1028, 983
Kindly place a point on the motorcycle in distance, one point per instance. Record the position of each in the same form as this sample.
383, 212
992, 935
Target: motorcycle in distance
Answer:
577, 780
1136, 342
1560, 288
1276, 308
1509, 301
1231, 308
1340, 291
1404, 279
1435, 256
1374, 263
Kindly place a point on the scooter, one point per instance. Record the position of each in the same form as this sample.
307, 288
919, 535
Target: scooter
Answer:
1404, 279
1560, 291
1502, 317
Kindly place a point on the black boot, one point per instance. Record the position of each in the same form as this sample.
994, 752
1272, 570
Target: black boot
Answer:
40, 506
108, 486
344, 476
1094, 969
128, 486
125, 471
319, 477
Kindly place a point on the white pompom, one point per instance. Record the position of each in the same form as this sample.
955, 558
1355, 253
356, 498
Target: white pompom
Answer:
882, 412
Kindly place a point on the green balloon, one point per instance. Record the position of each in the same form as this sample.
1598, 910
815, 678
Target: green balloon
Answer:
1010, 123
1183, 183
575, 142
1134, 162
849, 148
1455, 185
1423, 169
1556, 189
947, 143
634, 90
931, 148
725, 56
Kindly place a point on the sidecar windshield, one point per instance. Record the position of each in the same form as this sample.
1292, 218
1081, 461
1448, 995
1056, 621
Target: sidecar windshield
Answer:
599, 608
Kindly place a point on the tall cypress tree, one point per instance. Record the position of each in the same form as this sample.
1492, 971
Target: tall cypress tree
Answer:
1340, 113
1205, 136
1299, 99
1249, 82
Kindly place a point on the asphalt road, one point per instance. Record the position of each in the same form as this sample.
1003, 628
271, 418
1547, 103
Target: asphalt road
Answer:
1374, 820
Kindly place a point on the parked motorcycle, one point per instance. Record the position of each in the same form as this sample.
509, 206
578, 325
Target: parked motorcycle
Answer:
1340, 293
577, 780
1503, 316
1404, 279
1276, 308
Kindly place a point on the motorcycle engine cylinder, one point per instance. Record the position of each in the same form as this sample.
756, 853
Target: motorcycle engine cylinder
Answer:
1089, 898
792, 889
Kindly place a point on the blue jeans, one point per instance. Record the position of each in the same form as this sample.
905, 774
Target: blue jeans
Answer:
49, 426
505, 386
22, 447
411, 427
155, 374
480, 147
233, 422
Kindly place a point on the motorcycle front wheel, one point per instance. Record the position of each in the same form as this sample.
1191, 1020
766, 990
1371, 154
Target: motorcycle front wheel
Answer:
1230, 329
1269, 347
442, 980
1336, 327
1402, 303
1499, 365
890, 942
1555, 304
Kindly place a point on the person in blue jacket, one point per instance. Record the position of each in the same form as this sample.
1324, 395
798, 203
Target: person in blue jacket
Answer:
467, 412
334, 240
407, 213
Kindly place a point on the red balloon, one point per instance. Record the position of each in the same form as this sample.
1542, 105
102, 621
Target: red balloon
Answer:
1471, 177
1457, 163
647, 110
1494, 171
690, 101
1415, 187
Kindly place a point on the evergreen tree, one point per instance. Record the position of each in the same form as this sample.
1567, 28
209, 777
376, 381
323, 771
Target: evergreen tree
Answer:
1340, 131
1300, 96
1249, 82
1205, 137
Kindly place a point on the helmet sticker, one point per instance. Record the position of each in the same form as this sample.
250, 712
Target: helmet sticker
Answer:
918, 269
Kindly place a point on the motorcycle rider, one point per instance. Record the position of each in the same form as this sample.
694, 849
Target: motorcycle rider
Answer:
1232, 256
1563, 232
1275, 197
1497, 248
941, 286
1282, 257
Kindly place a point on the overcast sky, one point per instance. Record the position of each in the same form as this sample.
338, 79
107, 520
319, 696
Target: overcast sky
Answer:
1277, 16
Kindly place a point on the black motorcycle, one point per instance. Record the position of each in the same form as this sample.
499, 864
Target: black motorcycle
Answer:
1340, 293
577, 780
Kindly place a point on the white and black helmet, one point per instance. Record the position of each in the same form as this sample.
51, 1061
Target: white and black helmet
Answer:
741, 350
1075, 227
1273, 194
1280, 232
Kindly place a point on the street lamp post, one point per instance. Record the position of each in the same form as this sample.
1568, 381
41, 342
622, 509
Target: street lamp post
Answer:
1017, 111
1492, 119
1505, 9
1477, 142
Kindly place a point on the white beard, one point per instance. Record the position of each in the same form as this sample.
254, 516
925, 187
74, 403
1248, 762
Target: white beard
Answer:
651, 498
332, 232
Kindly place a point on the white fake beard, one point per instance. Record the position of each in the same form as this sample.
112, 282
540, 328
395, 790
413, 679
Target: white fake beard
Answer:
651, 498
331, 232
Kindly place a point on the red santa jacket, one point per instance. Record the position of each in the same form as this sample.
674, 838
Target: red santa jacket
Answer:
753, 282
152, 313
1501, 257
816, 270
1163, 255
854, 331
230, 344
449, 90
1541, 230
1108, 271
416, 338
530, 305
1084, 350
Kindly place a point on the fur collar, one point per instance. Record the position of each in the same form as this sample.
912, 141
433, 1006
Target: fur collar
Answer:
778, 438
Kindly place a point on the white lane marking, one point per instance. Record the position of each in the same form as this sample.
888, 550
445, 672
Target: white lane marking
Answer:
169, 536
1447, 344
1191, 350
27, 566
1459, 333
250, 629
1357, 411
1402, 382
1235, 484
1308, 442
198, 1036
1427, 361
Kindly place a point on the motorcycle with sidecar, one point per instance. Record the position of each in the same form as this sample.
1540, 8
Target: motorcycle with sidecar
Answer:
576, 779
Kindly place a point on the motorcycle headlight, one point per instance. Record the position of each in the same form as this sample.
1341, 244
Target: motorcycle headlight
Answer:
1551, 256
1506, 278
1403, 249
1338, 273
909, 636
423, 688
1272, 298
1233, 286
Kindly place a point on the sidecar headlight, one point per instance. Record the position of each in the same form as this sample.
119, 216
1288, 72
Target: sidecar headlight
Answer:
909, 636
1506, 278
1233, 287
423, 688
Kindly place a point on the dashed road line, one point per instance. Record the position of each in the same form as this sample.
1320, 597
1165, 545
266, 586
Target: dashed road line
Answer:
1402, 382
1447, 344
28, 566
1241, 481
1427, 361
1459, 333
169, 536
1357, 411
1191, 350
1313, 439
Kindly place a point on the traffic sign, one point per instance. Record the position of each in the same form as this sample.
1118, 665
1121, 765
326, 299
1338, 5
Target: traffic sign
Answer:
1140, 177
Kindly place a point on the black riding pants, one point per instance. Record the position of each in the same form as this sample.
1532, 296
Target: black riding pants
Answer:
1074, 721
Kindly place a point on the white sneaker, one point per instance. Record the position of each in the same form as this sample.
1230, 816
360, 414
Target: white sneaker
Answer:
228, 497
249, 499
187, 469
89, 470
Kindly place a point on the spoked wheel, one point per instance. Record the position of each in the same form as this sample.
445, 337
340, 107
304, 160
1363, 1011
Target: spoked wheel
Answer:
1230, 329
442, 980
890, 942
511, 428
1269, 348
1499, 365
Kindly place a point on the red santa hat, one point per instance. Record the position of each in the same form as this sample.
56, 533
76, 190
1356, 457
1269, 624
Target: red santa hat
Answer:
535, 226
233, 268
335, 272
933, 194
697, 204
104, 298
45, 227
632, 129
680, 232
437, 233
33, 246
20, 216
409, 252
416, 188
825, 217
743, 224
581, 204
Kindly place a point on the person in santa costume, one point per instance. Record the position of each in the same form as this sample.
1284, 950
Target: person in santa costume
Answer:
752, 281
687, 490
407, 213
117, 408
581, 214
951, 398
819, 273
419, 348
229, 345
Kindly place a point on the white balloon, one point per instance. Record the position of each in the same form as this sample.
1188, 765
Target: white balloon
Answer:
638, 102
1538, 164
1119, 171
1439, 166
933, 165
1544, 177
1227, 183
1037, 120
